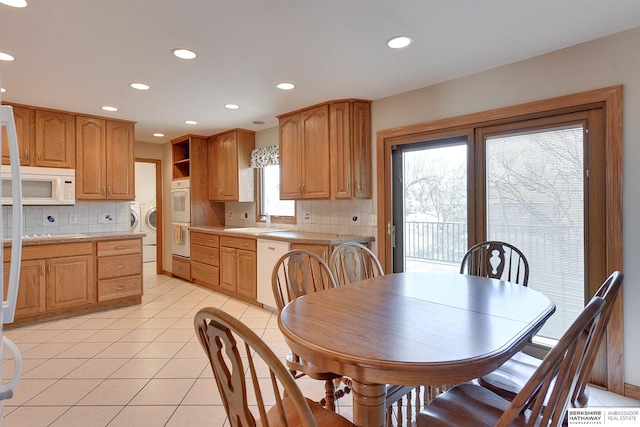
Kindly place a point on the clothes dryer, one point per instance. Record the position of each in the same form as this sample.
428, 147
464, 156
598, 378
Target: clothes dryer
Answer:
135, 217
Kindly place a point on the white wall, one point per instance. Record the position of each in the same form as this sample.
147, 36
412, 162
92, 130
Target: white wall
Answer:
604, 62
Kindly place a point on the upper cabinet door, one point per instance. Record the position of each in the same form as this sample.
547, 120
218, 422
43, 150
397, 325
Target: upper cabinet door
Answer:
228, 164
290, 157
24, 130
91, 181
55, 139
120, 161
341, 153
315, 153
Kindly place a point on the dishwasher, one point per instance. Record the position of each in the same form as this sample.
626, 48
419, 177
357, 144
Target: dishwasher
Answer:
268, 253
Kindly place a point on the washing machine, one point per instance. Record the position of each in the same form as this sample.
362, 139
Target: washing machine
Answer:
148, 226
135, 217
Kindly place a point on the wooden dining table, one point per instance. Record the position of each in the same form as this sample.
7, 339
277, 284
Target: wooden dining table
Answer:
412, 329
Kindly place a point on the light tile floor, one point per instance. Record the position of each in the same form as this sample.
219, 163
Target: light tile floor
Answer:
141, 365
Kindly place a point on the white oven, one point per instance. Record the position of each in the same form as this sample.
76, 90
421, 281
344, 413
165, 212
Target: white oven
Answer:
180, 242
180, 201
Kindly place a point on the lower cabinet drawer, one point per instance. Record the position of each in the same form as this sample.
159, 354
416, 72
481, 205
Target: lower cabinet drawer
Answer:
181, 267
119, 266
205, 255
205, 273
119, 288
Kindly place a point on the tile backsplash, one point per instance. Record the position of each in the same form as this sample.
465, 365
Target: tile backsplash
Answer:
355, 217
81, 218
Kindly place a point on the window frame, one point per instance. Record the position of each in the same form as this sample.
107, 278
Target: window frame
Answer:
275, 219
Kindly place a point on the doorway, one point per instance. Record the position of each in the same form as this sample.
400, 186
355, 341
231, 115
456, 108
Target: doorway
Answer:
430, 205
148, 191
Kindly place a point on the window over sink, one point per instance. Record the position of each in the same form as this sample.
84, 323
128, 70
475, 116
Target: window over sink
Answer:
269, 203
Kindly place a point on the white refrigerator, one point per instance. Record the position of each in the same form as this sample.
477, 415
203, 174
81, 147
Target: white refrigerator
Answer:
8, 306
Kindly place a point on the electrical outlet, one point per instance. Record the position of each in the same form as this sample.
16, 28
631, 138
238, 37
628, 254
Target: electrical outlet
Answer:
313, 218
373, 220
230, 214
306, 218
245, 215
334, 218
73, 219
355, 219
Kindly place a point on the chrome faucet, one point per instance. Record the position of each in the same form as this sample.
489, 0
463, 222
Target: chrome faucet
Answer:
267, 219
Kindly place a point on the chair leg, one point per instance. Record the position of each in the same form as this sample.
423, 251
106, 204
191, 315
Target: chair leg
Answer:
330, 395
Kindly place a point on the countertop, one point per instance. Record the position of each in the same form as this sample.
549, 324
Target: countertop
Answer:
286, 235
71, 238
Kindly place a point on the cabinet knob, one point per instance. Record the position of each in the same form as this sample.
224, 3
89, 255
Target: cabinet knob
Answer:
120, 266
39, 156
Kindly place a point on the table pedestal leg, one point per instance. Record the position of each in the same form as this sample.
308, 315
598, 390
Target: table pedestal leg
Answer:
368, 404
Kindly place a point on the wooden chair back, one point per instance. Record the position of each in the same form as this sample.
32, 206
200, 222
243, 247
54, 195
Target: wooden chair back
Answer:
496, 260
297, 273
351, 262
547, 394
242, 389
608, 291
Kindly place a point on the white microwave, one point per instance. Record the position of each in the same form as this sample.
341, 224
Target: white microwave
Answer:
41, 186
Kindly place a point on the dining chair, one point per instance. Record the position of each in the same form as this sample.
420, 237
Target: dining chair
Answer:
297, 273
541, 402
510, 378
238, 357
496, 260
352, 262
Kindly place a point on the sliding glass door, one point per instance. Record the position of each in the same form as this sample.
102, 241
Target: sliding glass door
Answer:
430, 205
535, 200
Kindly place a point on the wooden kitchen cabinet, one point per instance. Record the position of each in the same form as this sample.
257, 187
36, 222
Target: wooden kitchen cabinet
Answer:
119, 264
105, 159
54, 139
180, 158
205, 259
350, 140
238, 265
31, 291
25, 121
69, 282
304, 154
54, 277
230, 176
323, 251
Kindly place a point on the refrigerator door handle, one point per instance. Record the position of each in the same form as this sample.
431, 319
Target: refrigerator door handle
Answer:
9, 305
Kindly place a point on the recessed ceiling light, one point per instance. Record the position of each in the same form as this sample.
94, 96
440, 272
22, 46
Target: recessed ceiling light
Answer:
3, 90
139, 86
191, 122
6, 57
108, 108
258, 122
399, 42
159, 135
231, 106
184, 53
14, 3
285, 86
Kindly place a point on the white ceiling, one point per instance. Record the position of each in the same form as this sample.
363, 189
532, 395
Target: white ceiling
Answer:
79, 55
